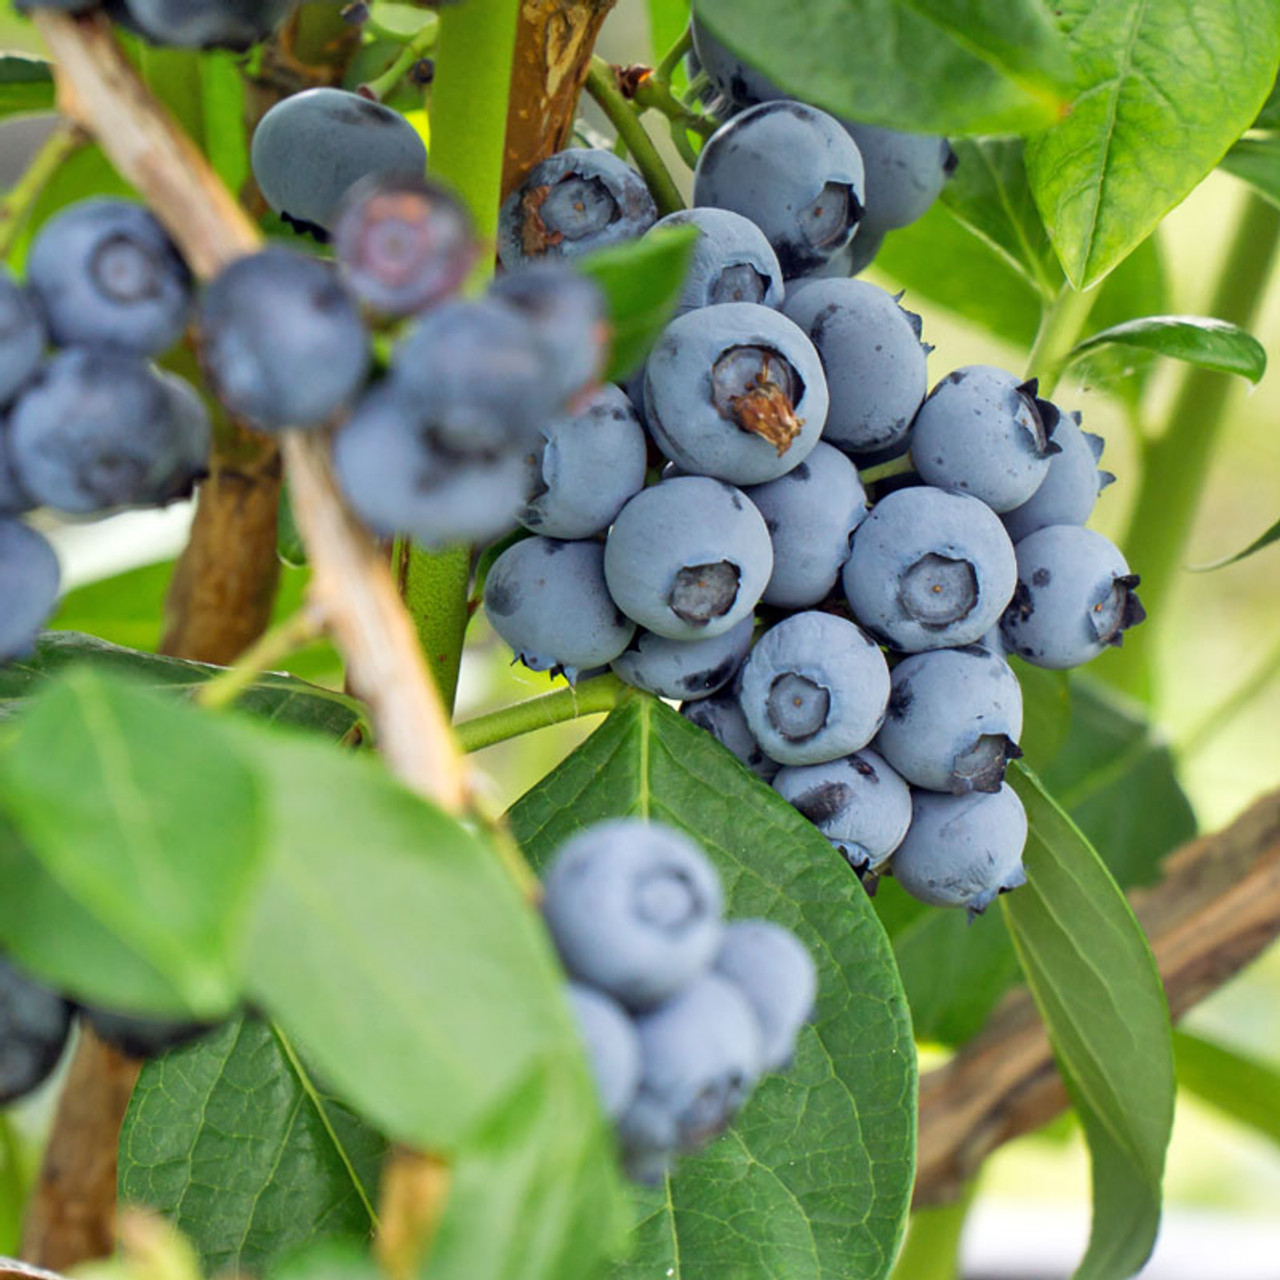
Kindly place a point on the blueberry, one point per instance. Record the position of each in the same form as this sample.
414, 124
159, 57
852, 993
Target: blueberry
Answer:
954, 719
1069, 491
721, 716
1075, 596
775, 971
684, 668
793, 171
702, 1053
872, 357
929, 569
400, 478
403, 243
858, 802
688, 558
634, 908
961, 851
107, 274
193, 435
101, 429
593, 462
282, 342
137, 1037
34, 1024
29, 580
571, 203
740, 84
862, 250
811, 513
477, 370
735, 391
204, 24
905, 173
14, 500
984, 432
647, 1136
731, 261
613, 1047
570, 317
814, 688
22, 337
311, 148
549, 602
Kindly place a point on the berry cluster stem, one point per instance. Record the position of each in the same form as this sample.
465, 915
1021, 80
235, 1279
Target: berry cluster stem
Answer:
58, 148
1060, 328
590, 698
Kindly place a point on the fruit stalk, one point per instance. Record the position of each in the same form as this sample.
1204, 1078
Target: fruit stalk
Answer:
592, 697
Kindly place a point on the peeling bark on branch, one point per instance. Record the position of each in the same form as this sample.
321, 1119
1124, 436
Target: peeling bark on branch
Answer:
1216, 910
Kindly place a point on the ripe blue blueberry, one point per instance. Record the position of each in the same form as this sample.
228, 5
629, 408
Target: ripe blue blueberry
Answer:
684, 668
22, 337
100, 429
14, 500
905, 173
740, 84
1075, 597
634, 908
29, 578
34, 1024
548, 601
570, 317
872, 357
736, 392
1069, 491
775, 971
282, 342
702, 1053
403, 244
613, 1047
983, 432
477, 370
792, 170
731, 261
721, 716
400, 478
814, 688
961, 851
593, 462
571, 203
858, 802
193, 435
954, 720
811, 513
688, 558
929, 569
142, 1037
202, 24
312, 147
106, 274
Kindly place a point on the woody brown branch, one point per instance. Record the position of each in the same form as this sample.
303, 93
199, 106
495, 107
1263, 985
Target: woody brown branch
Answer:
1216, 909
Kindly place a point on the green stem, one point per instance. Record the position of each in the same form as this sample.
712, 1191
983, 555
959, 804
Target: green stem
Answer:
266, 653
1176, 464
1060, 329
671, 59
932, 1249
475, 44
1239, 699
591, 698
422, 43
885, 470
16, 207
602, 86
650, 93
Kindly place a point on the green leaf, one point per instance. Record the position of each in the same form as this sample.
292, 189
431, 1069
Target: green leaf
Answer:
1115, 775
282, 699
1237, 1085
1156, 113
642, 281
667, 22
1269, 116
26, 85
233, 1139
1046, 712
1259, 543
226, 141
932, 1250
1198, 340
1256, 161
988, 194
1095, 982
940, 66
815, 1178
139, 819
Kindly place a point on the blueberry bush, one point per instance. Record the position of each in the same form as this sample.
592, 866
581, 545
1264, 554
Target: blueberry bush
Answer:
463, 338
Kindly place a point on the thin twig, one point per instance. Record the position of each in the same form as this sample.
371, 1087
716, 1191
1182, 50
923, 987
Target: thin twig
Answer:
57, 149
267, 652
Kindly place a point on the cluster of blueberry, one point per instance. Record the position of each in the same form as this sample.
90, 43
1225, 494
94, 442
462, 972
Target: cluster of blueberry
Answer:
185, 24
777, 379
94, 425
681, 1012
36, 1021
